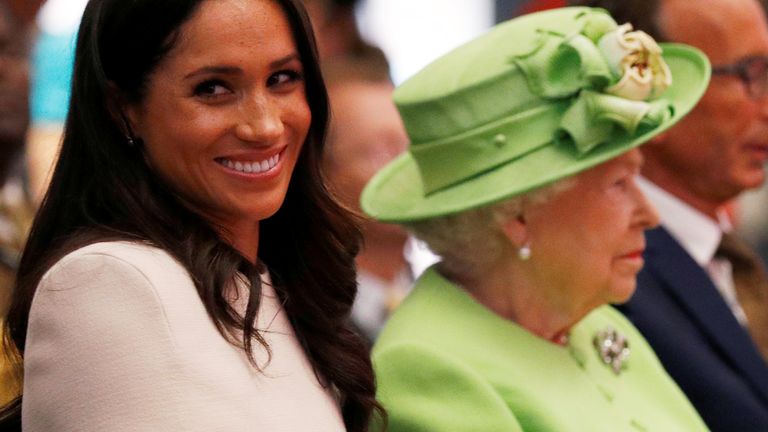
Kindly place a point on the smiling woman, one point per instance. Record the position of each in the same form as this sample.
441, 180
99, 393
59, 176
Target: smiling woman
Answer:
225, 116
188, 269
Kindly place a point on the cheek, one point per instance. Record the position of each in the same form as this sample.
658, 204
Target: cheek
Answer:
725, 113
297, 115
178, 140
572, 253
181, 154
606, 233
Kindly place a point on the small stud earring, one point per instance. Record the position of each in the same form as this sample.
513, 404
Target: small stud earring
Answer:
524, 253
134, 141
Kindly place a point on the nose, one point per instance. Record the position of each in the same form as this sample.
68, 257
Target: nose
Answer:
259, 121
646, 215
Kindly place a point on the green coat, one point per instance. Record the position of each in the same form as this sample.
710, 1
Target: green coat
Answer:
445, 363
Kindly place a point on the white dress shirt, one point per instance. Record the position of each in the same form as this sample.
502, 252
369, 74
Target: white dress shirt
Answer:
699, 235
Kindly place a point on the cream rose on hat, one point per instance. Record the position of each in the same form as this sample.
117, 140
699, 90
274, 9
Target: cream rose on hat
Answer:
636, 58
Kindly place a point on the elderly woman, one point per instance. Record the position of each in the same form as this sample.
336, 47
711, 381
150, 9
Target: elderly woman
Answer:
521, 175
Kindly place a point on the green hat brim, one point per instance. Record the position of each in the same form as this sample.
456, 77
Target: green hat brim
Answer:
396, 194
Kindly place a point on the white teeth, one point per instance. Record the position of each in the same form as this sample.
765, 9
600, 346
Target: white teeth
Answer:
251, 167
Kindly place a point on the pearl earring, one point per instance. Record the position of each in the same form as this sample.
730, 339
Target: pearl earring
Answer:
524, 253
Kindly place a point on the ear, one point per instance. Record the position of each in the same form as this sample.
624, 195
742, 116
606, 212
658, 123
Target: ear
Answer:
122, 113
516, 230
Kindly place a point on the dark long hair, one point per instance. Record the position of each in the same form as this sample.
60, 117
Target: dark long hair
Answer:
102, 189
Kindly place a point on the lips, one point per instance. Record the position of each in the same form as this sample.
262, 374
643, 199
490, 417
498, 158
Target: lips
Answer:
636, 254
251, 163
760, 150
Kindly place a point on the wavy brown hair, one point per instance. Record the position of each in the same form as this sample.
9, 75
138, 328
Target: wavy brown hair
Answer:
102, 189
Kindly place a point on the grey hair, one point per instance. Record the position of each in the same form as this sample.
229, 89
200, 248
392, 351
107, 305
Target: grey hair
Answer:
471, 241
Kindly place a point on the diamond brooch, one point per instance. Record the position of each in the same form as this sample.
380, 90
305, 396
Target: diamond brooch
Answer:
612, 347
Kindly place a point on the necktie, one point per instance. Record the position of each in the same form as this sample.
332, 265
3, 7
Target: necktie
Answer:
751, 283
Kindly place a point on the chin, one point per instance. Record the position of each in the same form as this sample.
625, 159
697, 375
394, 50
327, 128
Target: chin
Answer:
752, 178
266, 210
623, 292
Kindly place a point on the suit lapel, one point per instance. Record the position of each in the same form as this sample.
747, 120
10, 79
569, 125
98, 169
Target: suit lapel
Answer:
689, 283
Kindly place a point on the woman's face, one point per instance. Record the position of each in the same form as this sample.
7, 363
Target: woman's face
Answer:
587, 241
225, 113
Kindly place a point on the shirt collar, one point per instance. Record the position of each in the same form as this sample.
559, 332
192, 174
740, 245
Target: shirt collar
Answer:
697, 233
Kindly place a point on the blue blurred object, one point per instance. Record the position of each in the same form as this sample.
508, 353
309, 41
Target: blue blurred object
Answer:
52, 63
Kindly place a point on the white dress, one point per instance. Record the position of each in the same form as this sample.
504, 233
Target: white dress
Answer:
119, 340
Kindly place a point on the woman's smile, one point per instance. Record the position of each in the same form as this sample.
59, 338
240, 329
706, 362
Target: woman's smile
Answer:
252, 165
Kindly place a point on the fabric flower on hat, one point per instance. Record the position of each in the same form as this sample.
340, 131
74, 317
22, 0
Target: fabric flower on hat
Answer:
610, 77
635, 57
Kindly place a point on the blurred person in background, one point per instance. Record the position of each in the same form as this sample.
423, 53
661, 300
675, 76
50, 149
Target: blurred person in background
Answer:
16, 211
52, 64
702, 298
366, 133
336, 29
753, 211
752, 217
521, 174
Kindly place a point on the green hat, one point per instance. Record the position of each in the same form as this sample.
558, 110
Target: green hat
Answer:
536, 99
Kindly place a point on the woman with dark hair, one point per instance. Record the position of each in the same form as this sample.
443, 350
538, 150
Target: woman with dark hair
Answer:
187, 269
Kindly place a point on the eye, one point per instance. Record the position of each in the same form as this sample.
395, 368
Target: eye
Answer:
211, 89
285, 77
623, 182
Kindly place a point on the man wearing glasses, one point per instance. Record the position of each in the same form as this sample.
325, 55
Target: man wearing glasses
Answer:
702, 306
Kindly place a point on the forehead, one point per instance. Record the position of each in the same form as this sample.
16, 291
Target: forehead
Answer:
726, 30
630, 161
222, 27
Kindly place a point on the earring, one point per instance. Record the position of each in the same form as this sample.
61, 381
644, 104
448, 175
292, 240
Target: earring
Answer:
524, 253
134, 141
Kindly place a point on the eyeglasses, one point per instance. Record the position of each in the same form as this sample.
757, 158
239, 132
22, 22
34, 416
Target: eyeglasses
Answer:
752, 71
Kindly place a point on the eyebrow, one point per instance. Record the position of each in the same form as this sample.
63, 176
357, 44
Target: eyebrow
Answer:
234, 70
635, 163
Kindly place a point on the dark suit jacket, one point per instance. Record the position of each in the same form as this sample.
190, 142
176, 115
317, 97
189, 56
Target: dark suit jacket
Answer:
699, 341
